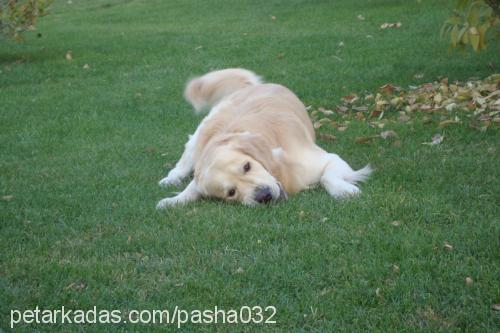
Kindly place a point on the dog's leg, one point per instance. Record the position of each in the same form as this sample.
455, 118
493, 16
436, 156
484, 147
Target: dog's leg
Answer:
337, 187
186, 163
339, 178
184, 166
190, 193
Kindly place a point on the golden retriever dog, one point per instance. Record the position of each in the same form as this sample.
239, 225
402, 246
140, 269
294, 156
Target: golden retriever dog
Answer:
255, 146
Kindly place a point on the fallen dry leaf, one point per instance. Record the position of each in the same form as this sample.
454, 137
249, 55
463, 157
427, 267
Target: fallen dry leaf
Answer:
438, 98
396, 223
448, 122
324, 291
7, 197
342, 109
327, 137
404, 118
377, 114
450, 107
388, 134
396, 101
447, 246
341, 128
436, 139
359, 116
426, 120
425, 107
362, 108
325, 112
69, 285
365, 139
75, 286
350, 99
468, 281
387, 89
387, 25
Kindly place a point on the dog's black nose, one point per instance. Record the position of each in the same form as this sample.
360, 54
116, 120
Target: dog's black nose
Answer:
263, 195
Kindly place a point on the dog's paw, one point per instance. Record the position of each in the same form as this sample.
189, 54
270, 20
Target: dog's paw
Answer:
167, 202
346, 191
341, 189
172, 179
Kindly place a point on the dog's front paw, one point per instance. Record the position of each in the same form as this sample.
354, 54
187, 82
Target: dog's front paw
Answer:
173, 178
167, 202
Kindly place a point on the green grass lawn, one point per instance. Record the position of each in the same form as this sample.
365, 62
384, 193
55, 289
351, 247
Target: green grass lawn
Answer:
82, 150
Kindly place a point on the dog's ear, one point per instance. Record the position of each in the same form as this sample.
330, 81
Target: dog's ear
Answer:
255, 146
274, 160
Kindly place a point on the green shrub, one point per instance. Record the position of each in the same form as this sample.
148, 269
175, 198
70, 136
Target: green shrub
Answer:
472, 22
17, 16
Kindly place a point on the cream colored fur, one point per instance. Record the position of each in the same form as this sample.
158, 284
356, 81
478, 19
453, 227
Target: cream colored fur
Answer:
255, 125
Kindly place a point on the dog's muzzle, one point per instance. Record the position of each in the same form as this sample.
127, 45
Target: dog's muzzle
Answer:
264, 194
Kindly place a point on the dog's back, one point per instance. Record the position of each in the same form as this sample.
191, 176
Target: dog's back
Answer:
206, 91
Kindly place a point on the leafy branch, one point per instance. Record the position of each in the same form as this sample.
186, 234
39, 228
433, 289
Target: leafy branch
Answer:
471, 23
17, 16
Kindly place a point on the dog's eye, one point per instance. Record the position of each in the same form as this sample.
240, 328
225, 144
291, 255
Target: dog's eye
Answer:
247, 167
231, 192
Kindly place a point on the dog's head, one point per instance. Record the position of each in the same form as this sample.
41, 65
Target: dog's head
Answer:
239, 167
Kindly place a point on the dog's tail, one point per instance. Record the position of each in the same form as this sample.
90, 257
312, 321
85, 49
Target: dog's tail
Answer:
360, 175
205, 91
